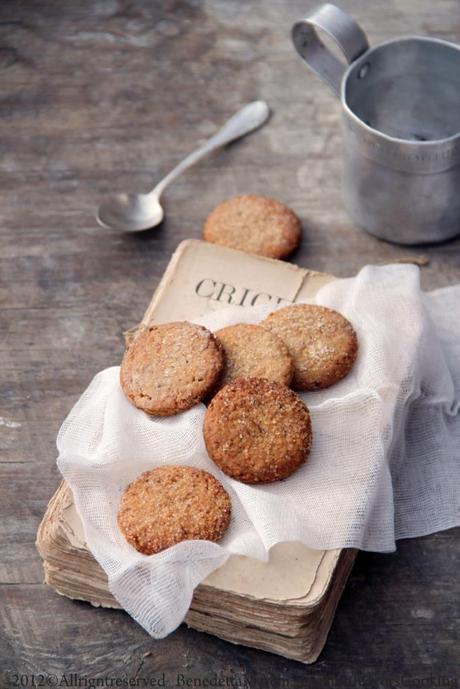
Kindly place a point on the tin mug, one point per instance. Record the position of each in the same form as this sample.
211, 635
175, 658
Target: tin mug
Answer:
401, 126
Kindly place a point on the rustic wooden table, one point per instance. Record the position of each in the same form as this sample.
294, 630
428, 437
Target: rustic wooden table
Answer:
109, 94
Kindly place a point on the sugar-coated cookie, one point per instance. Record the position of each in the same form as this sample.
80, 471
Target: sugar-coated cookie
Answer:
256, 224
254, 352
257, 430
171, 367
322, 343
170, 504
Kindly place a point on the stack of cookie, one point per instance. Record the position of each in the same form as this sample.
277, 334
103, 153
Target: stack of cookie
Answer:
256, 428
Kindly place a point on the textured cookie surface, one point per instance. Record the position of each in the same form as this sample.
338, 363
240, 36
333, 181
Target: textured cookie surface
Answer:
321, 341
256, 224
170, 504
171, 367
254, 352
257, 431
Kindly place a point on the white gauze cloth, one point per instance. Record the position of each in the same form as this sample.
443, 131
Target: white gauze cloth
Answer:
384, 463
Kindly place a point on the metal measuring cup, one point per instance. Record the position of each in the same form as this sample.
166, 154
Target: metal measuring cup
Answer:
401, 126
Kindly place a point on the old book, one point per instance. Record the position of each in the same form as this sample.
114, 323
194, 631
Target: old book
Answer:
286, 605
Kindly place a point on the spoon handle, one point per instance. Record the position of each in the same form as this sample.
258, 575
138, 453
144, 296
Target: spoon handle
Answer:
247, 119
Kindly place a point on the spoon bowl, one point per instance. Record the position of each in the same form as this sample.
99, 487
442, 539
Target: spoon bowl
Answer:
130, 212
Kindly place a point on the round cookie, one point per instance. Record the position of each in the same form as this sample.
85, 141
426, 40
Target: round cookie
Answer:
254, 352
170, 504
257, 430
321, 341
256, 224
171, 367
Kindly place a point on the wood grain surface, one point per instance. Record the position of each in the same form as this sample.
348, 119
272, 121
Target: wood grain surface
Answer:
109, 94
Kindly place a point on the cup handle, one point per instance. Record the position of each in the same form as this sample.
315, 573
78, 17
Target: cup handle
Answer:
343, 30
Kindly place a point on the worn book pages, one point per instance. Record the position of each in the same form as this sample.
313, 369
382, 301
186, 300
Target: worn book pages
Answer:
203, 277
288, 603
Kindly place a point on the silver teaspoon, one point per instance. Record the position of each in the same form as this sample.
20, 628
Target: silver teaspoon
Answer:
137, 212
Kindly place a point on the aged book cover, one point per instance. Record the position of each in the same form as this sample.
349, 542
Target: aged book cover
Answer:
286, 605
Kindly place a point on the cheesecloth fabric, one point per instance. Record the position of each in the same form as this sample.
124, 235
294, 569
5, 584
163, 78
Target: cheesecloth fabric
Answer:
384, 463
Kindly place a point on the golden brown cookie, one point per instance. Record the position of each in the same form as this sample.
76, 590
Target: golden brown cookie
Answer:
321, 341
254, 352
257, 431
171, 367
256, 224
170, 504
